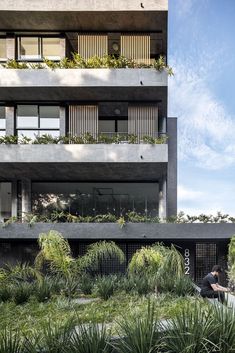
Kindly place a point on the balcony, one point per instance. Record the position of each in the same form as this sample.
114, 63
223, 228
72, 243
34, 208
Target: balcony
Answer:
82, 84
74, 15
83, 162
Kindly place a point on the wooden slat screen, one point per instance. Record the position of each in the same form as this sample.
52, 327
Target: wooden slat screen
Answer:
142, 120
92, 45
136, 47
83, 119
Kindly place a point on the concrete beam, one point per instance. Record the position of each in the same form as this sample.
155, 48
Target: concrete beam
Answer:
82, 78
94, 153
84, 5
131, 231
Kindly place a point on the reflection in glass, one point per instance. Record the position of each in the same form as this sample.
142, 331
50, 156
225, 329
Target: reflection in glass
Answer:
29, 48
89, 199
51, 48
5, 201
3, 49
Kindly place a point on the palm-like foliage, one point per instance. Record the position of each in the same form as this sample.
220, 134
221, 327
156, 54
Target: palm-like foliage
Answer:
53, 337
223, 320
190, 331
231, 261
99, 252
173, 261
89, 338
10, 341
19, 272
138, 334
146, 260
56, 250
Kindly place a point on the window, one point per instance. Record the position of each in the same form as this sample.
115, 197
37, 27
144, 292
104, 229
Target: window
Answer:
93, 198
3, 49
113, 126
5, 201
34, 120
2, 121
51, 48
35, 48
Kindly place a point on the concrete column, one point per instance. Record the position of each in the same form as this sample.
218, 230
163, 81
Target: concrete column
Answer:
14, 198
10, 48
62, 121
10, 121
162, 199
172, 167
26, 197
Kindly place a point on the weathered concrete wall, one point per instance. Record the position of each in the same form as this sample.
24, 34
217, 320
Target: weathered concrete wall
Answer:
83, 5
131, 231
93, 153
82, 78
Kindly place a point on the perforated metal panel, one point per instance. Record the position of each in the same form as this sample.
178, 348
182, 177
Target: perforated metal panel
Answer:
206, 258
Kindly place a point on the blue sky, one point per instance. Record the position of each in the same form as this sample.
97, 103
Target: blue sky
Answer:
202, 96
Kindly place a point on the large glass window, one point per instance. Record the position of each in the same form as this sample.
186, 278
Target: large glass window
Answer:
95, 198
35, 48
3, 49
2, 121
34, 120
113, 126
5, 201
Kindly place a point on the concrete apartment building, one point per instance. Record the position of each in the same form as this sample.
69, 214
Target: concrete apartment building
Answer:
98, 178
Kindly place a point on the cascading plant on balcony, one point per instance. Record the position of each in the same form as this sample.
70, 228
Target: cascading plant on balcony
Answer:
95, 62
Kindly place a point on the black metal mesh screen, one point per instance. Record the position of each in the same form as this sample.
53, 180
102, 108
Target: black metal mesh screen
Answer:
206, 258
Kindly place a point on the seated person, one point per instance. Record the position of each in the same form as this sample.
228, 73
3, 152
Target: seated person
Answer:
210, 287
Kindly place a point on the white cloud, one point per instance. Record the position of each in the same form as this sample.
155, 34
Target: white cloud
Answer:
206, 129
186, 194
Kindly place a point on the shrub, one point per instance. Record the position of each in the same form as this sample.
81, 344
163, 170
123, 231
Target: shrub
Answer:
138, 334
22, 292
145, 261
86, 284
43, 290
10, 341
89, 338
105, 286
231, 262
5, 292
191, 331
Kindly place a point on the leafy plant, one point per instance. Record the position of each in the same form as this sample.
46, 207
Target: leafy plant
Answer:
138, 334
146, 260
22, 292
56, 250
5, 292
231, 261
86, 284
11, 341
90, 338
43, 290
105, 286
99, 252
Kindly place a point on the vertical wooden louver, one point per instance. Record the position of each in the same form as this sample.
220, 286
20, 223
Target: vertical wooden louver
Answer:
92, 45
83, 119
142, 121
136, 47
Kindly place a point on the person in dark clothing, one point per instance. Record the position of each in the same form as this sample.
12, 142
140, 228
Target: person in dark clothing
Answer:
210, 287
